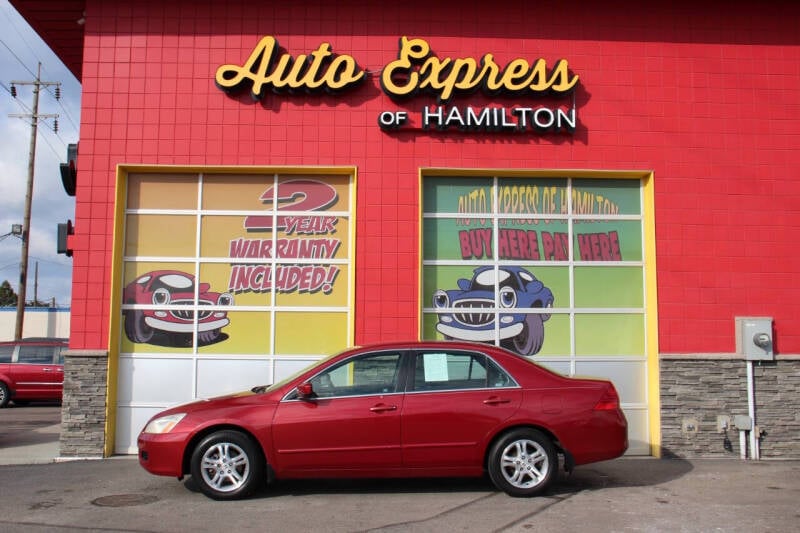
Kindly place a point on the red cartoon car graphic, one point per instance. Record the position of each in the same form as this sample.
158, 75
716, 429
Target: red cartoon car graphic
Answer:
173, 292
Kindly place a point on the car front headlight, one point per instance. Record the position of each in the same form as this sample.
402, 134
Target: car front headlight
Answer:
163, 424
440, 299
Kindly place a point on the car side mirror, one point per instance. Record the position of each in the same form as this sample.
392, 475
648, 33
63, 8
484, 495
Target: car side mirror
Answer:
305, 391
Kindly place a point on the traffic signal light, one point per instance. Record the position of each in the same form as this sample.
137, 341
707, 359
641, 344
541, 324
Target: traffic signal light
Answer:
69, 170
64, 231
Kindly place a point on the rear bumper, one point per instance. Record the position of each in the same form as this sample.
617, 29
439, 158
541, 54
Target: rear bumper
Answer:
604, 437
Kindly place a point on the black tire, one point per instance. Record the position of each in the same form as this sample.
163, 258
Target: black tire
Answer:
135, 327
227, 465
5, 395
530, 339
523, 462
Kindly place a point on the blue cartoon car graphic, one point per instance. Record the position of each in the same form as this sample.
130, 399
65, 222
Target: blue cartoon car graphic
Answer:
471, 315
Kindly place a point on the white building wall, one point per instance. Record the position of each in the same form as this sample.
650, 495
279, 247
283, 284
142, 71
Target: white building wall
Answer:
39, 322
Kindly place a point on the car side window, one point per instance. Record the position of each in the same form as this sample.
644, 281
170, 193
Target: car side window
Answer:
5, 353
457, 371
35, 355
449, 371
497, 377
364, 375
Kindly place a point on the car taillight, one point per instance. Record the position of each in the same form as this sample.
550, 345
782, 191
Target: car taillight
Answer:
608, 401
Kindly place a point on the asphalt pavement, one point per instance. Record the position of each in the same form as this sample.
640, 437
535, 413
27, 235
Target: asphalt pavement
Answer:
29, 435
41, 493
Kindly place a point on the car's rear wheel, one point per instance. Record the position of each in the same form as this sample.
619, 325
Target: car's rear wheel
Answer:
523, 462
4, 395
227, 465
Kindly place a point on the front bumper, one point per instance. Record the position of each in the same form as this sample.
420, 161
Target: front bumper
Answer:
162, 454
478, 335
188, 327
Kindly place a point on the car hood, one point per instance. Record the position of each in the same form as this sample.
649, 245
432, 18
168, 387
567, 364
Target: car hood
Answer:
239, 398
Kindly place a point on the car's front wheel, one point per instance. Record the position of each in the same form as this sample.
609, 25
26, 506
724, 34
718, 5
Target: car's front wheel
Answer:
4, 395
227, 465
136, 328
523, 462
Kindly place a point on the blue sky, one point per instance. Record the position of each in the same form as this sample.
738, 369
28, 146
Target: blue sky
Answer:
20, 51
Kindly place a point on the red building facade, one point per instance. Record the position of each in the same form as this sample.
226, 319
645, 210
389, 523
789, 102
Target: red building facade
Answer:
638, 163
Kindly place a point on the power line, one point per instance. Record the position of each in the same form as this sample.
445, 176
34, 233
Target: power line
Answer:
50, 145
56, 263
13, 24
20, 103
16, 57
28, 111
67, 114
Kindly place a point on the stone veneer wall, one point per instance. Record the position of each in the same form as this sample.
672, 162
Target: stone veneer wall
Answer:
83, 407
697, 390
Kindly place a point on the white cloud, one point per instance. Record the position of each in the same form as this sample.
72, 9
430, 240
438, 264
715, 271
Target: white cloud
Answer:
20, 51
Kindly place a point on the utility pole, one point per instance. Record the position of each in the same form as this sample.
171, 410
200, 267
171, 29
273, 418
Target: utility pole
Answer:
26, 224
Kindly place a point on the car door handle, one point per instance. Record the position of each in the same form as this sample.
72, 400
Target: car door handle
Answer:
494, 400
381, 408
46, 369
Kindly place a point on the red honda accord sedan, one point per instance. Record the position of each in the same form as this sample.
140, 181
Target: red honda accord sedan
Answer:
417, 409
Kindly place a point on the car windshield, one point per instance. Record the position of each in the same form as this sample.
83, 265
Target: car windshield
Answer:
485, 281
174, 281
278, 384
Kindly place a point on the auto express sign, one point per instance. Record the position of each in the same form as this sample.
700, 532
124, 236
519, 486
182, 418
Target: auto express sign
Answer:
417, 71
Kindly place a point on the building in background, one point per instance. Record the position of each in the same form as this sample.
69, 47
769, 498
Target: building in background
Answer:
39, 322
607, 189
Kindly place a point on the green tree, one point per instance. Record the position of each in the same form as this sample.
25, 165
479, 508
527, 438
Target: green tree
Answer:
7, 295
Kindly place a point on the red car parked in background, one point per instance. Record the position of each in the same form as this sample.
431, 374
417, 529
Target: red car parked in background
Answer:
31, 369
418, 409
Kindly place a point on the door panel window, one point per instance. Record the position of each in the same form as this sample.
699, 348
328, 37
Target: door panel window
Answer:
455, 371
5, 353
36, 355
371, 374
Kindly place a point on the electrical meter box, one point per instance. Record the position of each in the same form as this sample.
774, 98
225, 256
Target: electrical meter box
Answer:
754, 338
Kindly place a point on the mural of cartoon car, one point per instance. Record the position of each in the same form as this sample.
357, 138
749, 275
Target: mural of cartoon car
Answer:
176, 289
472, 317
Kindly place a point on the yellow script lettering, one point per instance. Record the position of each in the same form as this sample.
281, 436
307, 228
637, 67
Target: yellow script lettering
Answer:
416, 69
319, 70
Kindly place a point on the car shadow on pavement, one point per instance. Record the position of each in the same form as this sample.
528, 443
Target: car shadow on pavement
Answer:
623, 472
307, 487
